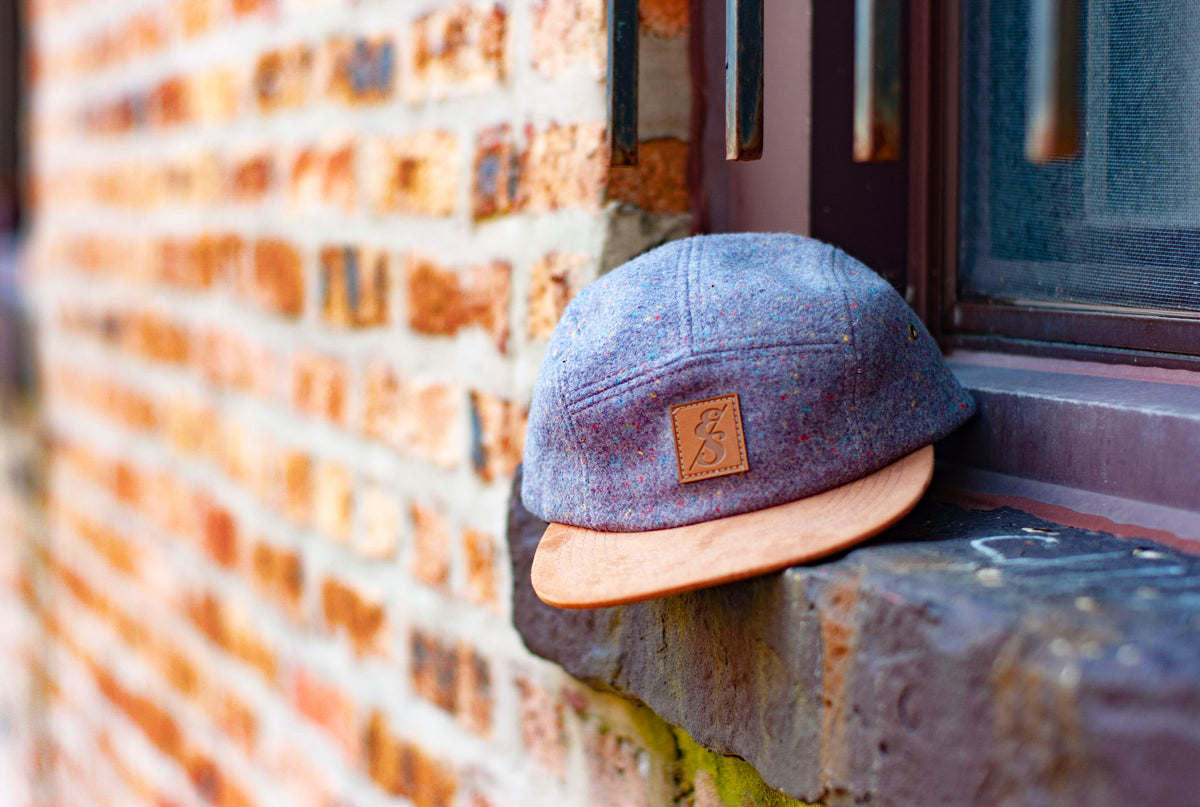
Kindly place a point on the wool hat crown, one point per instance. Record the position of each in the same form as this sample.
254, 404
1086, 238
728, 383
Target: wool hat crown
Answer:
834, 376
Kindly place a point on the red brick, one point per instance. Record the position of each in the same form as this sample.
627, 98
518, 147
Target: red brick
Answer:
496, 173
215, 95
565, 166
441, 303
473, 698
115, 117
458, 48
435, 783
431, 546
417, 419
221, 535
705, 789
418, 174
542, 727
304, 183
142, 185
235, 718
197, 179
434, 670
169, 103
229, 628
553, 281
136, 780
194, 17
170, 505
211, 782
218, 257
354, 286
333, 500
319, 386
479, 554
188, 264
242, 8
115, 549
385, 757
339, 183
658, 183
614, 774
277, 284
180, 672
123, 405
381, 523
190, 427
230, 361
158, 338
324, 177
360, 617
362, 70
401, 769
126, 483
279, 573
566, 33
282, 77
297, 486
158, 726
498, 435
665, 18
247, 456
251, 177
330, 708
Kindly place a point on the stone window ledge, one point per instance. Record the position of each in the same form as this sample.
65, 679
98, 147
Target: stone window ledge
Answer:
966, 657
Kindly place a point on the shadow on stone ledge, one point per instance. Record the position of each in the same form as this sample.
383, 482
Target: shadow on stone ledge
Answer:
963, 658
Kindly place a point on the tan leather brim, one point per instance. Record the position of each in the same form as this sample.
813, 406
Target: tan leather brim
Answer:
576, 567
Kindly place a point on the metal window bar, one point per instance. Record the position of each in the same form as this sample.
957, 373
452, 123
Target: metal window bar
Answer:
878, 81
623, 82
743, 79
1052, 117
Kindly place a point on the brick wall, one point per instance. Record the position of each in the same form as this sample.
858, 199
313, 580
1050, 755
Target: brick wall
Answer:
22, 707
293, 264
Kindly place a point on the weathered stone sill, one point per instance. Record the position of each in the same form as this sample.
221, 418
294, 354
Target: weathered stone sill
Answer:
964, 658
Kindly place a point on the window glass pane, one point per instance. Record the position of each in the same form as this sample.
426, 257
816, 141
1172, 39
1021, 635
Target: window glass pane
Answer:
1118, 225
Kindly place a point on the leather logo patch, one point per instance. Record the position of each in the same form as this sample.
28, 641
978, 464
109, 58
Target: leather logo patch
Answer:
708, 438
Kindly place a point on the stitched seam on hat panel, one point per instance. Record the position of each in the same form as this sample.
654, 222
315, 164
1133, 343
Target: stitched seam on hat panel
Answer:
854, 374
572, 312
608, 376
689, 334
688, 348
691, 354
573, 436
671, 367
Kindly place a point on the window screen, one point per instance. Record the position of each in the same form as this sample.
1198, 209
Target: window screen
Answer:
1117, 226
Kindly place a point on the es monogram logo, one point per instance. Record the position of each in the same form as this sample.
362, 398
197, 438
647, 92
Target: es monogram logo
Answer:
708, 438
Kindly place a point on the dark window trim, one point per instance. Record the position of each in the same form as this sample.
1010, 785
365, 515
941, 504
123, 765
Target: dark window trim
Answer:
858, 207
11, 114
1121, 433
1028, 337
770, 193
1095, 333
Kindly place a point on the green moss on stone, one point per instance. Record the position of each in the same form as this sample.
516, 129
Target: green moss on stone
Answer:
737, 782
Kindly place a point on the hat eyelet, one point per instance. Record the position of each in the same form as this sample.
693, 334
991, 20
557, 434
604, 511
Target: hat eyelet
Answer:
912, 332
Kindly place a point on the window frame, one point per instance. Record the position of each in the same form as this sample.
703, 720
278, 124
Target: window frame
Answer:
1107, 334
1035, 437
925, 183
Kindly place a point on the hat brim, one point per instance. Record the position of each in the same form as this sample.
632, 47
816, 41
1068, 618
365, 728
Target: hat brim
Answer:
575, 567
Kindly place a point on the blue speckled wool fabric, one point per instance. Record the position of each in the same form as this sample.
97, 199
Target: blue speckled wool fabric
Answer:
835, 375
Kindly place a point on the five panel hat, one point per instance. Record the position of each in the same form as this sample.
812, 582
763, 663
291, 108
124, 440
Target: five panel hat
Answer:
724, 406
